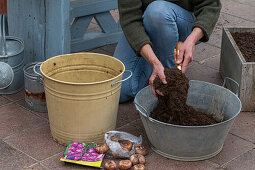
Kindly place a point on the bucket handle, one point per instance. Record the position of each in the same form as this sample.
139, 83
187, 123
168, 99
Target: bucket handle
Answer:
232, 80
124, 79
147, 114
39, 74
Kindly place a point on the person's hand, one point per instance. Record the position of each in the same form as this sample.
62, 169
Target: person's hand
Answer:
186, 51
158, 70
157, 67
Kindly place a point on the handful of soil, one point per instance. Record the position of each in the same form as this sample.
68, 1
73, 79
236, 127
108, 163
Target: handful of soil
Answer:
172, 107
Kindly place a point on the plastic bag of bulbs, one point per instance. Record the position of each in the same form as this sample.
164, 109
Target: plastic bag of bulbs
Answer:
123, 145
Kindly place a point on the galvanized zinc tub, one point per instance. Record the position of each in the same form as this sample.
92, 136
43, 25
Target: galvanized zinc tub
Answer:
82, 94
190, 143
34, 89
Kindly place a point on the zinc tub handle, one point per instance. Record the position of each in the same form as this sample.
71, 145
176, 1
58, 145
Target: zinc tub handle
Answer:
124, 79
3, 51
147, 114
232, 80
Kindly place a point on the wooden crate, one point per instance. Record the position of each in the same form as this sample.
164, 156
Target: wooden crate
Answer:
233, 65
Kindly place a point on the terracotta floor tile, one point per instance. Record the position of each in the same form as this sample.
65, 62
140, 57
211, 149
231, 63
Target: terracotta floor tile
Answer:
239, 10
157, 162
215, 38
208, 56
212, 62
22, 103
4, 101
15, 97
246, 2
12, 159
205, 51
97, 50
110, 48
14, 119
101, 51
244, 126
115, 14
233, 147
41, 114
126, 114
203, 73
37, 166
36, 142
55, 164
93, 27
244, 162
230, 20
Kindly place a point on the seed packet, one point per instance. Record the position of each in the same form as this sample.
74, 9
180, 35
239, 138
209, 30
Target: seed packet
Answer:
83, 154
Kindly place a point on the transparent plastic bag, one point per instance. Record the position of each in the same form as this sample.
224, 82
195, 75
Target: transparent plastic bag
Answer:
116, 148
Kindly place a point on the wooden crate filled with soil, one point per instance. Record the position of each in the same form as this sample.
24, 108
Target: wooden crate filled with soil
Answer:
238, 62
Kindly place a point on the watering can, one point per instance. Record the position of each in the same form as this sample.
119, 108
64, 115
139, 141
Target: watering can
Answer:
11, 61
6, 72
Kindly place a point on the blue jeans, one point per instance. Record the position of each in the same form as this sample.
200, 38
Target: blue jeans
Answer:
166, 24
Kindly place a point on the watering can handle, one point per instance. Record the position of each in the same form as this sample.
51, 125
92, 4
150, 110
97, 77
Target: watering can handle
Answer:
147, 114
3, 53
39, 74
232, 80
124, 79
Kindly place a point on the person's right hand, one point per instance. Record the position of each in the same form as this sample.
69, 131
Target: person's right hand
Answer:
157, 67
158, 70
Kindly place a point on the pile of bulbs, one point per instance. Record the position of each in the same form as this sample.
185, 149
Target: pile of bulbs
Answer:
137, 160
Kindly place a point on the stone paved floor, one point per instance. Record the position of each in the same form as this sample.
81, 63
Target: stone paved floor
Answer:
19, 125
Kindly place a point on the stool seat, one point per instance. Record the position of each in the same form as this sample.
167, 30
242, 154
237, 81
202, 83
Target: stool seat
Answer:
80, 8
84, 11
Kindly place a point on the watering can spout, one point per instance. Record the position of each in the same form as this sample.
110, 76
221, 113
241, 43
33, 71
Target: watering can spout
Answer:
3, 52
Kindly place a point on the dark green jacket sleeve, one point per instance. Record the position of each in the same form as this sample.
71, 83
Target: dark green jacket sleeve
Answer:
132, 24
207, 13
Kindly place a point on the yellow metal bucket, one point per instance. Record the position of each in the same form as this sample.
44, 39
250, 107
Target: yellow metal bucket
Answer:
82, 94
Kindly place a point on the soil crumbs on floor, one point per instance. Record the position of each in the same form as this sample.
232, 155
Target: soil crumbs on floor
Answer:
172, 107
245, 42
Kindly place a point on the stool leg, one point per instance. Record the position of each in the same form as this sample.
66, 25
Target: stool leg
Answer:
57, 27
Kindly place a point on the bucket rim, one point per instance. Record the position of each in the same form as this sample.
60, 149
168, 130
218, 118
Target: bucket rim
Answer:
90, 83
21, 43
190, 127
29, 65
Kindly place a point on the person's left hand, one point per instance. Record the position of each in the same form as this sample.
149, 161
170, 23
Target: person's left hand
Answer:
186, 51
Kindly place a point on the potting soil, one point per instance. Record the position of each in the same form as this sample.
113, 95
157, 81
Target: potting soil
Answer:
245, 42
172, 107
